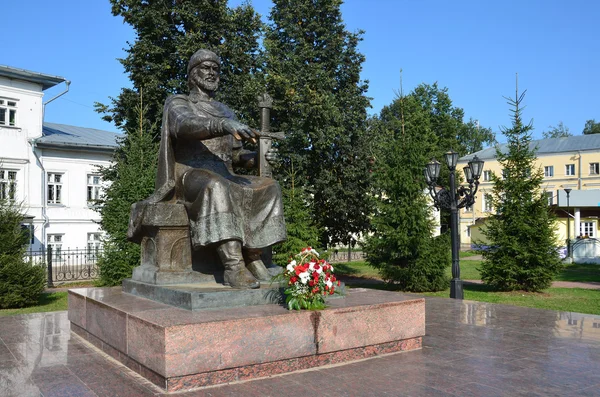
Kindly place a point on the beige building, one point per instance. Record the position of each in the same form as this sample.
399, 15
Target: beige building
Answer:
567, 163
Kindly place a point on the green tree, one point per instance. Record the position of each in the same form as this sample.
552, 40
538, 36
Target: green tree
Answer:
591, 127
521, 233
402, 246
446, 122
131, 178
302, 231
21, 282
558, 131
168, 33
314, 77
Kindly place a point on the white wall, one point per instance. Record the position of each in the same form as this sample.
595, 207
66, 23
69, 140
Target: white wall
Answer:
73, 218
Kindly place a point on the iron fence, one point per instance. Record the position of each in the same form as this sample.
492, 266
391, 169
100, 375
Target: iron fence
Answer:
342, 256
67, 264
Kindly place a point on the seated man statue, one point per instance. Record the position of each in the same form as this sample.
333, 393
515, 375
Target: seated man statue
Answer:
200, 143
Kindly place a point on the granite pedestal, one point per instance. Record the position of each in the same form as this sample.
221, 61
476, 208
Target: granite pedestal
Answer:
179, 349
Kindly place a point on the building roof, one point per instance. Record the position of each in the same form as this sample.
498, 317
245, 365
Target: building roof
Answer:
71, 137
545, 146
46, 80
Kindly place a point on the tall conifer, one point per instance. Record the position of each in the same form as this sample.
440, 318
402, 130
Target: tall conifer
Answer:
402, 246
521, 232
313, 75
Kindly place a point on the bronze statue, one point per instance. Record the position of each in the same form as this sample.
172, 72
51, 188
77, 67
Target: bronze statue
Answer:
201, 142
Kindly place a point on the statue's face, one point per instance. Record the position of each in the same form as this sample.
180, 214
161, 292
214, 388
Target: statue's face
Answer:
206, 76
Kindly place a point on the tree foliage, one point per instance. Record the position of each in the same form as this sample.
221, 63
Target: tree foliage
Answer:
447, 123
21, 282
314, 77
130, 178
301, 230
168, 33
591, 127
557, 131
402, 246
521, 233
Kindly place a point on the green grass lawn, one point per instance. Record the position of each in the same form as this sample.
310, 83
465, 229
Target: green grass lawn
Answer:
580, 272
466, 254
49, 302
468, 271
564, 299
355, 269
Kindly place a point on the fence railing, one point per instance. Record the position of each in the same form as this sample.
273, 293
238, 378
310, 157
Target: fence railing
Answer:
342, 256
67, 264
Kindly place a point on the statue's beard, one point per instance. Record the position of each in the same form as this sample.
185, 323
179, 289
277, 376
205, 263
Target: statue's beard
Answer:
206, 85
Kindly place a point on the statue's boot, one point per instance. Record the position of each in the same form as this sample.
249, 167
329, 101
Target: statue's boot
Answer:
236, 275
256, 265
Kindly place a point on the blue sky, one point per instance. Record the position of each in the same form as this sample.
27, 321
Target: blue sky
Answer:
474, 48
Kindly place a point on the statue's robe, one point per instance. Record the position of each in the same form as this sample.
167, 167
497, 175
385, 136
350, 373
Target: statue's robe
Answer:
195, 167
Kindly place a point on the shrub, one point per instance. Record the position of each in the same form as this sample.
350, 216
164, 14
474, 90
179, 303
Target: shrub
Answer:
21, 282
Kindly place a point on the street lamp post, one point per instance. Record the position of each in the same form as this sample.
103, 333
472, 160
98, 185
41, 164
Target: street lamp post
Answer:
453, 199
568, 191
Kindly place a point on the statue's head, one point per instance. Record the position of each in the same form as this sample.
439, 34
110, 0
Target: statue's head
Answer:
203, 71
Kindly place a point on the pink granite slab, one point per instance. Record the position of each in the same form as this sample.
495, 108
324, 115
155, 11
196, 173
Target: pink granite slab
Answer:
77, 309
107, 324
351, 327
219, 345
178, 349
146, 344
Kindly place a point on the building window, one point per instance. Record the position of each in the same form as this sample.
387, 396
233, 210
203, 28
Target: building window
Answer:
55, 243
93, 188
487, 175
594, 168
549, 171
93, 245
570, 169
587, 229
572, 322
8, 112
29, 230
469, 208
54, 188
8, 185
550, 197
487, 203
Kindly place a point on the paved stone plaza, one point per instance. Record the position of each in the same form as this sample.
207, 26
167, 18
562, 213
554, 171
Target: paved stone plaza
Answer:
471, 349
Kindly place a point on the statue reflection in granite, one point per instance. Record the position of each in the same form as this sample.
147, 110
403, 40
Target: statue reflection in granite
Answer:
198, 200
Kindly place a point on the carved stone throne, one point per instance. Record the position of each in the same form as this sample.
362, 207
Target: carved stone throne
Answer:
167, 255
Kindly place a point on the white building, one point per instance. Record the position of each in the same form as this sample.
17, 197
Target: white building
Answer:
51, 169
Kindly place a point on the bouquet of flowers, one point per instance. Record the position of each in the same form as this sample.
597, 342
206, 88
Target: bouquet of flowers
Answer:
309, 280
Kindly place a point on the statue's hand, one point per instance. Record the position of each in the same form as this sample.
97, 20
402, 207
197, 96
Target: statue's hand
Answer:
272, 156
239, 131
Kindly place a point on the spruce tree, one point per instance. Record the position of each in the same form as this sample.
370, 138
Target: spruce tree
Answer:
130, 179
21, 282
523, 254
302, 231
319, 99
402, 246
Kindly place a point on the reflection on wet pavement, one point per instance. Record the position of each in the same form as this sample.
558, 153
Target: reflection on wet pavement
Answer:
471, 348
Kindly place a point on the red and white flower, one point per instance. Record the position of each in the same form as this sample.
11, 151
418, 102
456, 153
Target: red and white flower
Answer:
309, 279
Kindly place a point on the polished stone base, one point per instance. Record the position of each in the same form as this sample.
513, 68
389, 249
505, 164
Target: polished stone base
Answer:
178, 349
207, 295
210, 295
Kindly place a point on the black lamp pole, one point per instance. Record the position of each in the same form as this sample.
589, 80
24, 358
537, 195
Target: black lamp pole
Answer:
568, 191
452, 199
